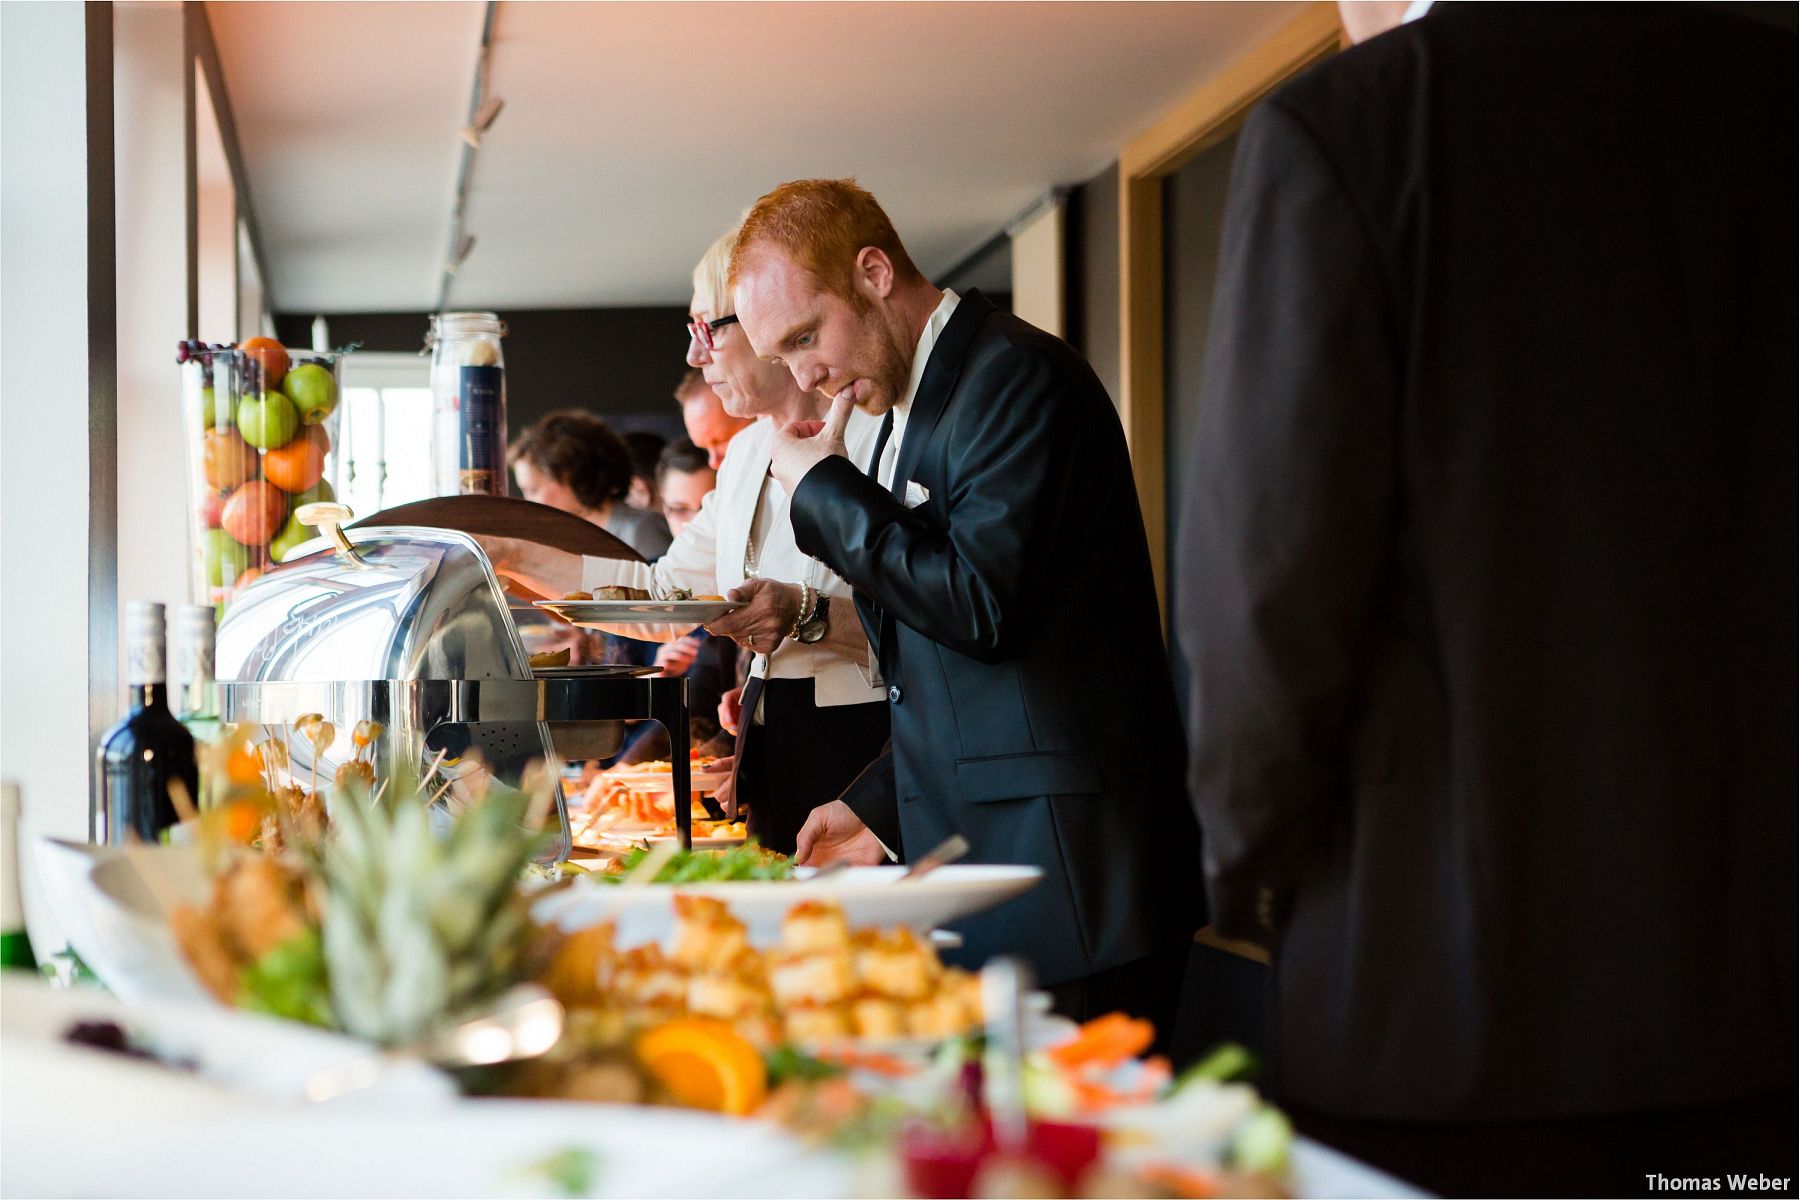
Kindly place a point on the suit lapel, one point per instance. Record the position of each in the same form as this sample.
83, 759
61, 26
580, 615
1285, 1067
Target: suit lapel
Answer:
941, 373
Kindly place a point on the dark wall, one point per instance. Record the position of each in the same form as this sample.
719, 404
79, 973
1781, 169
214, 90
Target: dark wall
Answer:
1093, 275
622, 363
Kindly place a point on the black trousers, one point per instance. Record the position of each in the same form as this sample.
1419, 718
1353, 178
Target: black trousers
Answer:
1618, 1155
803, 756
1148, 987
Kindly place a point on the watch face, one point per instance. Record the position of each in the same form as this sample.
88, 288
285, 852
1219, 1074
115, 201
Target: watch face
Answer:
812, 631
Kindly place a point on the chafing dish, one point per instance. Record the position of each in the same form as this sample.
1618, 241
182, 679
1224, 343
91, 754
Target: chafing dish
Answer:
409, 627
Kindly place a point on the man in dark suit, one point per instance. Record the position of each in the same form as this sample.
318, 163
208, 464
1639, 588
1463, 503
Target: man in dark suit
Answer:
1487, 585
1002, 572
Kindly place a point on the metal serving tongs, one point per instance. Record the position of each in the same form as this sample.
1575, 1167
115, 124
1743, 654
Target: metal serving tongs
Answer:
942, 854
329, 518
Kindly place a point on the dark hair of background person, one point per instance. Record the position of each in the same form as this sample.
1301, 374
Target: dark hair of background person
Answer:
691, 382
682, 456
579, 451
646, 448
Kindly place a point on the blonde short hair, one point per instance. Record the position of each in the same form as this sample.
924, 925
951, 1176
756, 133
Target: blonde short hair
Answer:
711, 274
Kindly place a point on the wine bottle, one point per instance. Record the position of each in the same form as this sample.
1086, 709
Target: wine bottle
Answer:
198, 705
15, 942
141, 755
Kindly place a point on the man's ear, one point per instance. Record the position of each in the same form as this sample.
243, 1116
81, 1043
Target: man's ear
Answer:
874, 273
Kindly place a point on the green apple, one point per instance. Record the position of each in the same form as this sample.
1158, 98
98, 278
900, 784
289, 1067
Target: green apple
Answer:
318, 492
223, 557
212, 412
291, 535
313, 391
267, 421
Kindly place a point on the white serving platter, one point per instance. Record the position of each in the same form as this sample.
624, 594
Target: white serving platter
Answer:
872, 897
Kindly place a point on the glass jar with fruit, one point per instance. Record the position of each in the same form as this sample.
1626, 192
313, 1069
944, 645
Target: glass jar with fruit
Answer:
468, 391
260, 422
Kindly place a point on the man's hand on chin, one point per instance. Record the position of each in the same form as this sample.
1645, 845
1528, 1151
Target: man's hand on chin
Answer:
801, 445
834, 833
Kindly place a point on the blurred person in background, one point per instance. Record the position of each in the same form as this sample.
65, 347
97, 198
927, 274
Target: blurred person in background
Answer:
1486, 580
811, 715
646, 447
573, 461
710, 425
684, 479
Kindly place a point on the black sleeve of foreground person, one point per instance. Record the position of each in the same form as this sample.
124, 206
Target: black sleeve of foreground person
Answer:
875, 801
964, 579
1285, 526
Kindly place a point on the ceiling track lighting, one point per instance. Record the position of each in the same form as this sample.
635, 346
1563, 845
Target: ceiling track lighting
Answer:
483, 109
455, 262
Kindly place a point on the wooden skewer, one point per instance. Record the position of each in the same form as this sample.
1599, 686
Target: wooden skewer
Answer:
432, 769
448, 784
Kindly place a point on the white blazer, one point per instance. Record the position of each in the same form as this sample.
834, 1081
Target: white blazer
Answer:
708, 559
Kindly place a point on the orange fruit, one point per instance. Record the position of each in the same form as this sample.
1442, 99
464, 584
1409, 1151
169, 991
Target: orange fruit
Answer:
243, 765
226, 459
295, 466
705, 1064
271, 355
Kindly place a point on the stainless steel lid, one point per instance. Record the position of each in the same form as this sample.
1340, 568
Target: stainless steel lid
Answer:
403, 631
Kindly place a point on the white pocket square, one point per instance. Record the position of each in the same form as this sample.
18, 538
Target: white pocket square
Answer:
916, 494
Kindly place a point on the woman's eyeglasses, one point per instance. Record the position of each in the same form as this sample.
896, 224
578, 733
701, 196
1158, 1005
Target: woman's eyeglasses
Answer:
702, 331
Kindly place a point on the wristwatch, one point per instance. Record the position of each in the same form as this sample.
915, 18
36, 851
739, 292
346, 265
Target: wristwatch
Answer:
813, 628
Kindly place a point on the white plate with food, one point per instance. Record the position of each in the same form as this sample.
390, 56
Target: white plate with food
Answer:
872, 897
639, 612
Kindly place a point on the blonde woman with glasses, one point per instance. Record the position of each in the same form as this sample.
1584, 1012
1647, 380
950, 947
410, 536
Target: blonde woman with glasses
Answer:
812, 714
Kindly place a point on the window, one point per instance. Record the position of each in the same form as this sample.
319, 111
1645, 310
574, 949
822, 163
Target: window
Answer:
384, 432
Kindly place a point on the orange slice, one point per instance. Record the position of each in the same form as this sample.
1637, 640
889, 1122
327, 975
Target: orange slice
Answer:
705, 1064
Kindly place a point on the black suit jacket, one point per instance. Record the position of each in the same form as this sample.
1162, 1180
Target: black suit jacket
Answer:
1016, 622
1488, 566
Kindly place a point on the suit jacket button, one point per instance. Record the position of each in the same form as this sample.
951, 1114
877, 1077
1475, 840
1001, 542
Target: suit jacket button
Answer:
894, 693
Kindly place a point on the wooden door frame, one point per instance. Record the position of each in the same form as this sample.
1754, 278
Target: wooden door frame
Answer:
1212, 113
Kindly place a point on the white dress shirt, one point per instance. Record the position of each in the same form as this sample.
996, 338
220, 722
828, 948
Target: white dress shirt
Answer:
890, 454
708, 559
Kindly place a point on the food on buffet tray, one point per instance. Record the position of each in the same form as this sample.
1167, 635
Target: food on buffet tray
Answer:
551, 658
623, 803
578, 595
620, 593
371, 923
1098, 1121
735, 864
256, 943
662, 766
823, 985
